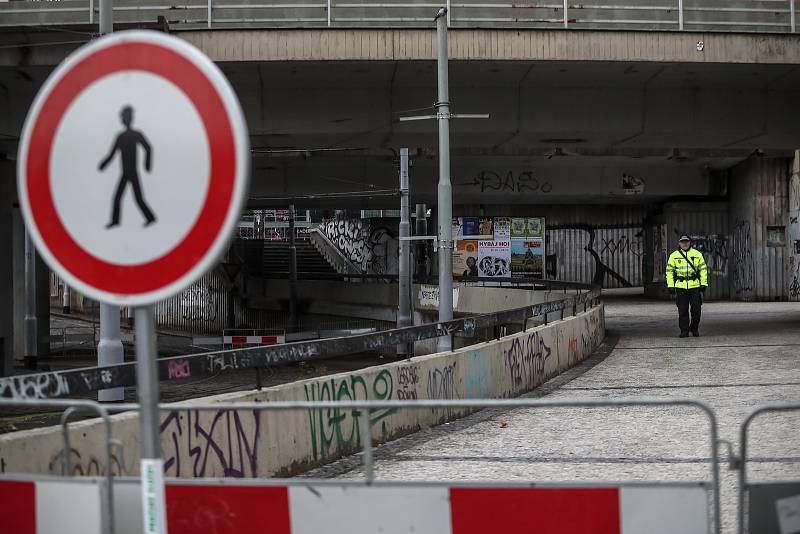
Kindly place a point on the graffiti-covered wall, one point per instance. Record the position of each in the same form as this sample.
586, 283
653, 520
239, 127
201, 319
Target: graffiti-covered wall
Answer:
201, 308
370, 244
600, 244
759, 216
610, 256
793, 233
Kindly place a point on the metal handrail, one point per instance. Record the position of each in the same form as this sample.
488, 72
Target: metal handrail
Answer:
670, 14
365, 408
73, 407
742, 460
89, 379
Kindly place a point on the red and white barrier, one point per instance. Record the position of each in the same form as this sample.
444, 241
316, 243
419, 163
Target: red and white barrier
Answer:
50, 506
73, 506
253, 340
428, 509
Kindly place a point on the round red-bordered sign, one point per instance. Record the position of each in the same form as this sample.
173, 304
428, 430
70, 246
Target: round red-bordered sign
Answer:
128, 281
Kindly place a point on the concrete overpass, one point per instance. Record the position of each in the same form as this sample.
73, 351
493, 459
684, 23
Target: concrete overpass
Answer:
694, 113
571, 112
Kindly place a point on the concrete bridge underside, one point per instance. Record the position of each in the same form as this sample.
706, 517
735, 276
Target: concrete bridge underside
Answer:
570, 112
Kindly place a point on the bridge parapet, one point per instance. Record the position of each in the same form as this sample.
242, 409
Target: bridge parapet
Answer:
763, 16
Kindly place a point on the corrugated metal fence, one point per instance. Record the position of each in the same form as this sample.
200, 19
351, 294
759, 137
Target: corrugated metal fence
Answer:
596, 244
758, 217
707, 224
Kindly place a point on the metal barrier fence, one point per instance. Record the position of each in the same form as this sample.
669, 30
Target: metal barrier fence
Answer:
766, 508
362, 412
90, 379
73, 407
696, 15
74, 338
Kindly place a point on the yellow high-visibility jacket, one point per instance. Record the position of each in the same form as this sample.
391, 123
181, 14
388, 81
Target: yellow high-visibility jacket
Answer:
681, 275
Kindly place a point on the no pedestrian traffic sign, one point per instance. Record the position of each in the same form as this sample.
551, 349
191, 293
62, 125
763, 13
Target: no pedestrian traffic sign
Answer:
133, 166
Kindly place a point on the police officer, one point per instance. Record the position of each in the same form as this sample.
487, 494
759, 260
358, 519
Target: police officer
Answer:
687, 279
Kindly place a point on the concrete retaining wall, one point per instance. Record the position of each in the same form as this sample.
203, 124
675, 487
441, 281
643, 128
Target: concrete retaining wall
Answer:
262, 444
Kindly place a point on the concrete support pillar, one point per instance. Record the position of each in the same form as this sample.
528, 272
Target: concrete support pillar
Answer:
8, 196
42, 307
18, 283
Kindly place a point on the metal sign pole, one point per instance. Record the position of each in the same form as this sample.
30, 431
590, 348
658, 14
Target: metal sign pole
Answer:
109, 349
152, 467
445, 191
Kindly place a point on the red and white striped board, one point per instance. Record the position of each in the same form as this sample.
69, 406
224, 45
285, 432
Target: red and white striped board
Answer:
253, 340
240, 340
429, 509
73, 506
66, 506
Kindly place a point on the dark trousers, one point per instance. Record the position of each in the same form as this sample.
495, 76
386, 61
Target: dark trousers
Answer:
686, 299
137, 193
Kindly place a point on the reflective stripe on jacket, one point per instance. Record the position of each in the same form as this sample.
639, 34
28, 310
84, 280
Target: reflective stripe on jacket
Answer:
681, 275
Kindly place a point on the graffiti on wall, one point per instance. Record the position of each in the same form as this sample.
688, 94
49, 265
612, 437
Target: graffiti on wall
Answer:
442, 386
610, 257
505, 182
373, 250
221, 443
407, 381
526, 360
742, 258
337, 430
198, 304
794, 277
714, 248
85, 464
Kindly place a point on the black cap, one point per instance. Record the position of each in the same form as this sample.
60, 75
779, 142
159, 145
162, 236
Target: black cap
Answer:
685, 237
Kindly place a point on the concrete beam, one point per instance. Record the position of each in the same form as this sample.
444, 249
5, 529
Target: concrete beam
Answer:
28, 48
494, 44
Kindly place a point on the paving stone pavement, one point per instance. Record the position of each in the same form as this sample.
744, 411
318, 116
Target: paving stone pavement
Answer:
747, 356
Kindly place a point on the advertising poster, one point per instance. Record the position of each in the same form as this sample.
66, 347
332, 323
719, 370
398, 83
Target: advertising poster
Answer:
486, 227
502, 228
518, 228
535, 227
458, 228
527, 228
527, 258
494, 259
476, 228
465, 259
470, 227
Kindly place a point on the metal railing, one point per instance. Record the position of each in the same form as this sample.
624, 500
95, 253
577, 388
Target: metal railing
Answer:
72, 338
90, 379
697, 15
73, 407
741, 462
362, 411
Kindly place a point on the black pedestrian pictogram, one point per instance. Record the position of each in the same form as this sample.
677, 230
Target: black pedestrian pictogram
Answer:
127, 143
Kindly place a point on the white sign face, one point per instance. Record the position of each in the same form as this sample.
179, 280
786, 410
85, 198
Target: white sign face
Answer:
133, 166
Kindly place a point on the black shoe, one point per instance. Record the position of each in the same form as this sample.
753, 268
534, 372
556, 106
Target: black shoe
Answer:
695, 333
149, 222
684, 334
111, 225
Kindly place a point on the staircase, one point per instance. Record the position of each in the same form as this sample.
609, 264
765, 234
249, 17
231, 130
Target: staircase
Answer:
310, 263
